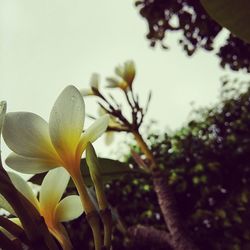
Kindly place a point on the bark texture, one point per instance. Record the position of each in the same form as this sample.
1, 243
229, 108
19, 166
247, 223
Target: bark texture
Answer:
150, 236
166, 200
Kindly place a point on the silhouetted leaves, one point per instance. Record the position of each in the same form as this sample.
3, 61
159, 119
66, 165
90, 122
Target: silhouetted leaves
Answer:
234, 15
197, 30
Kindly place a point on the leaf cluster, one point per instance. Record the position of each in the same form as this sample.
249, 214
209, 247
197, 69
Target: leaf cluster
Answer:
196, 29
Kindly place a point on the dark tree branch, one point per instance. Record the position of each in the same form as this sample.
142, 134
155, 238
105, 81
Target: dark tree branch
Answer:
166, 200
150, 236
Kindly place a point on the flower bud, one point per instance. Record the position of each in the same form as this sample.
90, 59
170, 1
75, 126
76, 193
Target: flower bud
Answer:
95, 174
94, 86
126, 75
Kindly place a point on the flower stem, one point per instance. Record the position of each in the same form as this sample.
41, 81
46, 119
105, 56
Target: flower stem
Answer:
145, 149
61, 235
107, 222
94, 222
88, 206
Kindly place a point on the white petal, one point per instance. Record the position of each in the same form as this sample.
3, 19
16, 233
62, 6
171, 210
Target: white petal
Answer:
66, 121
23, 187
93, 132
86, 92
129, 72
101, 111
119, 70
4, 204
69, 208
112, 82
52, 188
29, 165
94, 81
27, 134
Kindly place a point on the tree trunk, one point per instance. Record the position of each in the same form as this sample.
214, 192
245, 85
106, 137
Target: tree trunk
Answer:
179, 235
149, 236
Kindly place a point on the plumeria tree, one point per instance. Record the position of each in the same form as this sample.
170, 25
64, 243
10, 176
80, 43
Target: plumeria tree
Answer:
53, 152
176, 235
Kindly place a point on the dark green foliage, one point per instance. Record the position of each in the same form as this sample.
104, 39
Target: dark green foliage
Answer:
233, 15
111, 170
208, 166
197, 30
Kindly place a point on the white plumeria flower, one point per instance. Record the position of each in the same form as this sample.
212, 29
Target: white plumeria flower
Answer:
113, 123
126, 75
114, 82
94, 85
49, 205
40, 146
109, 135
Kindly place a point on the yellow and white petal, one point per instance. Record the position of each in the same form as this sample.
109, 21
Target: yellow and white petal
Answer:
69, 208
93, 132
23, 187
112, 82
27, 134
4, 204
119, 70
86, 92
94, 80
66, 121
52, 188
29, 165
101, 111
129, 72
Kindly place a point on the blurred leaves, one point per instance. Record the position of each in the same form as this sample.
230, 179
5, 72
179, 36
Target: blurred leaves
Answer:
208, 166
234, 15
195, 28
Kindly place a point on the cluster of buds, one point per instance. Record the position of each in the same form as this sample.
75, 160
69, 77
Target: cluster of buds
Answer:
124, 78
118, 122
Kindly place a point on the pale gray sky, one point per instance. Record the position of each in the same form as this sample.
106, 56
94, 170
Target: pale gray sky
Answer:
47, 44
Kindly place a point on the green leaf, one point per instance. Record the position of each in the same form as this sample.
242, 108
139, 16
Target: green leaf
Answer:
110, 170
232, 14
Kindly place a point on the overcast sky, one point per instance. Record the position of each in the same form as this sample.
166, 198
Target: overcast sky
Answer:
46, 45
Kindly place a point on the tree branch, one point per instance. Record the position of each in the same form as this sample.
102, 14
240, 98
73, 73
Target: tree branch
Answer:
150, 236
166, 200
